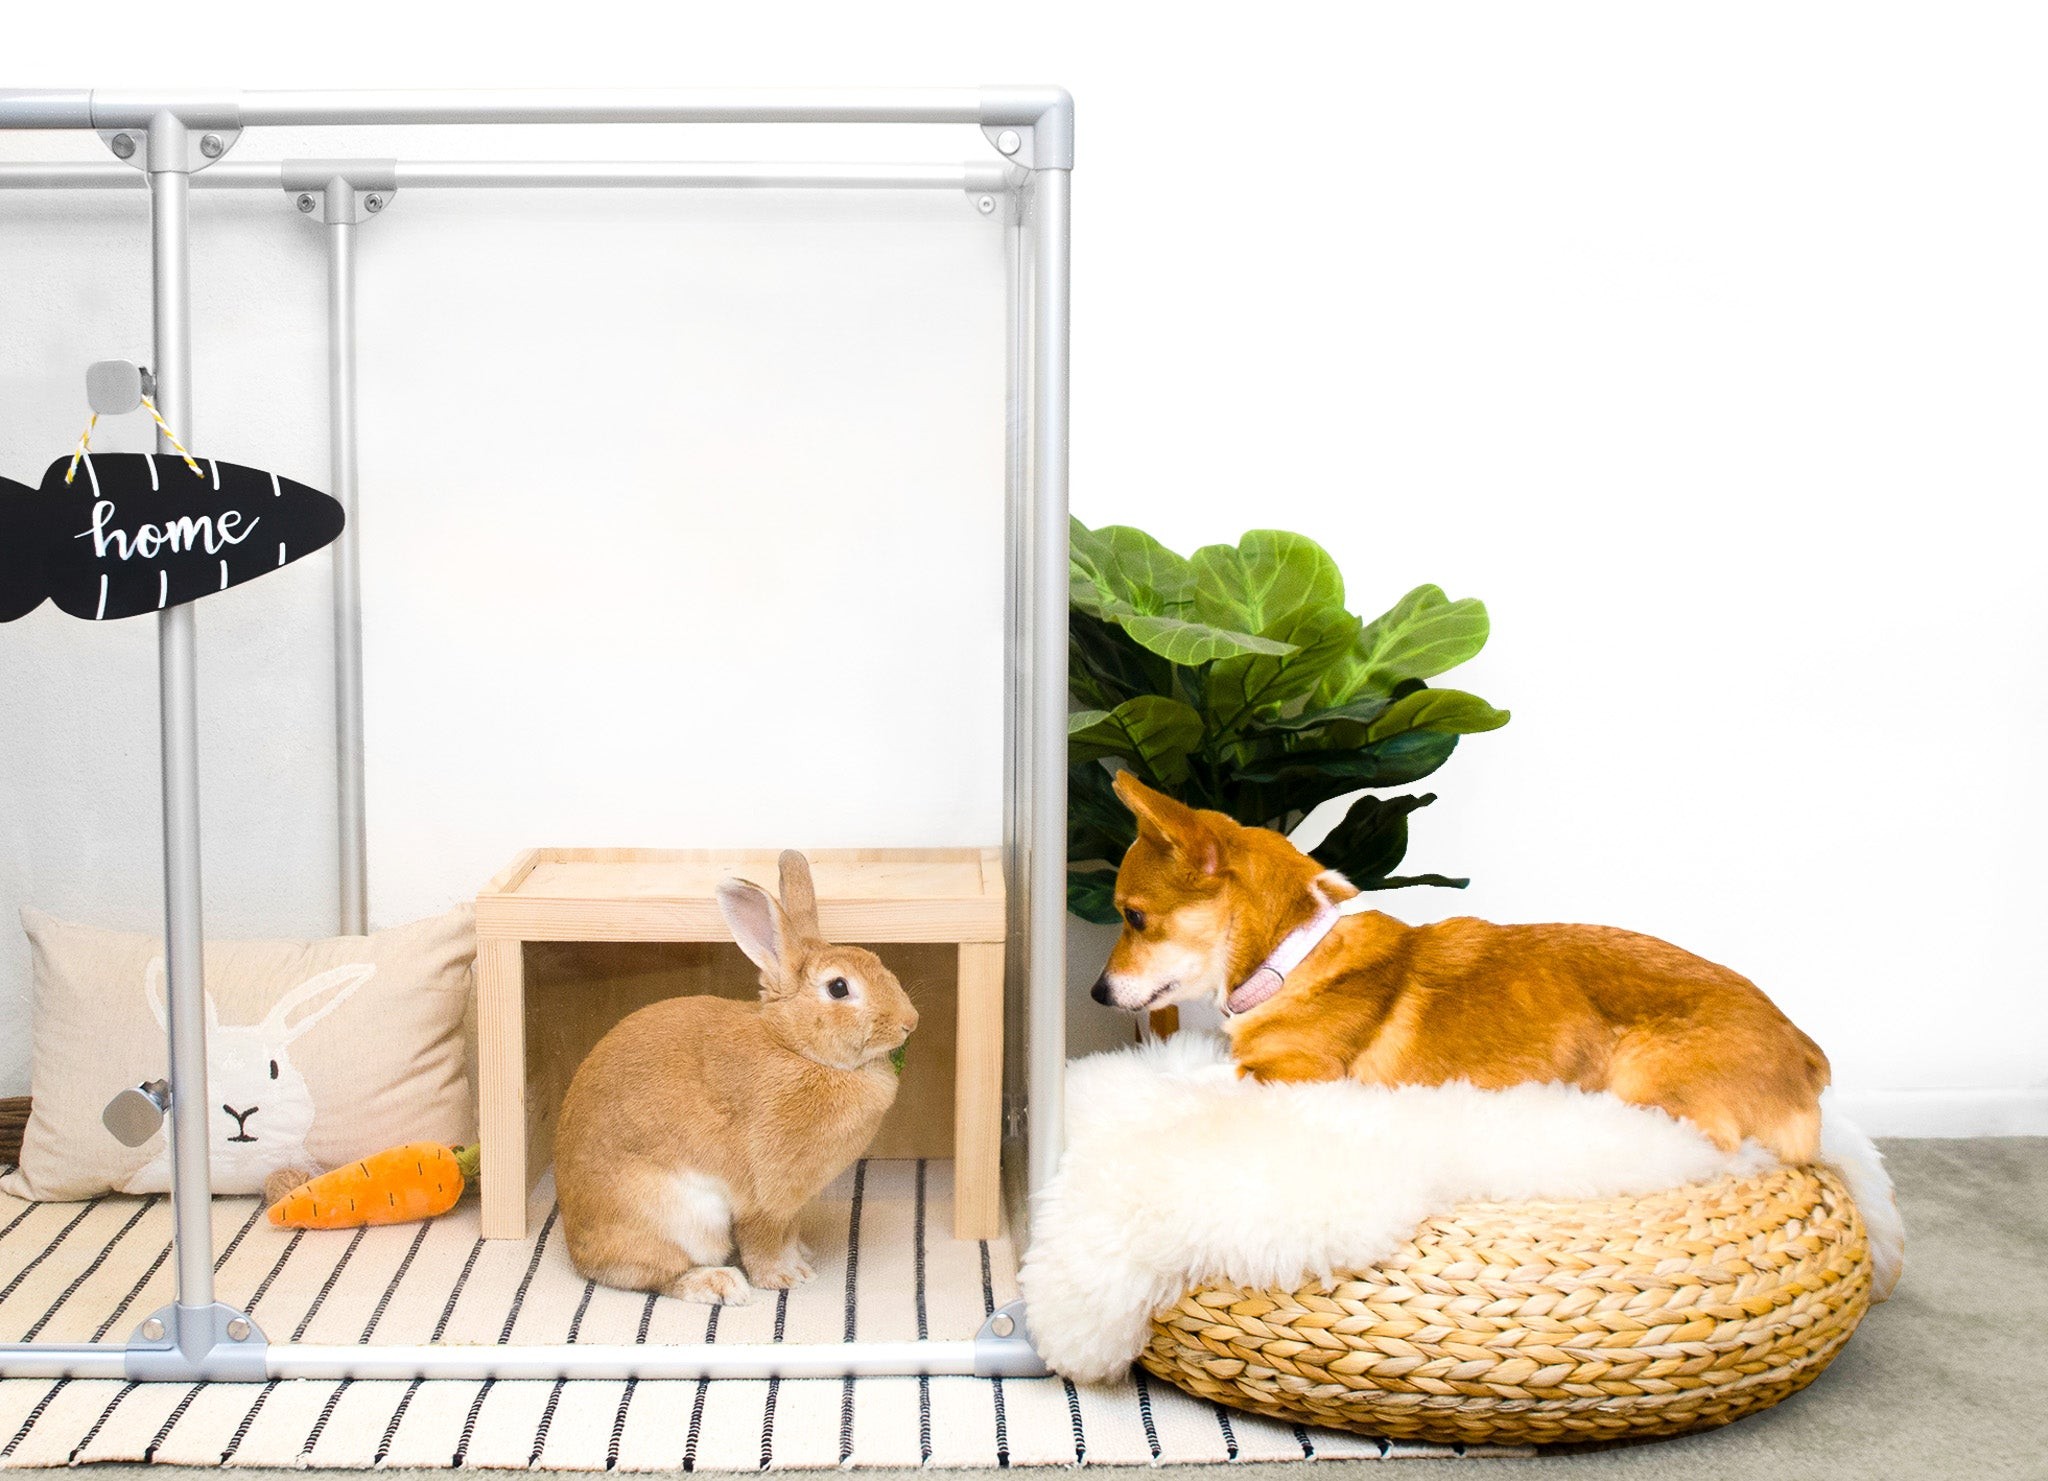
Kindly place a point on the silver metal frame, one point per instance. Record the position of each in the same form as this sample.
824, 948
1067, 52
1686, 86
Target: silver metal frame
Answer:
175, 141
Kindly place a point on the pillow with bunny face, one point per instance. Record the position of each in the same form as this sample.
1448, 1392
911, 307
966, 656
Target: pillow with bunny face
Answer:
317, 1053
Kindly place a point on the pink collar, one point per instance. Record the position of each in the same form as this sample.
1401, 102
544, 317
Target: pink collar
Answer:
1271, 974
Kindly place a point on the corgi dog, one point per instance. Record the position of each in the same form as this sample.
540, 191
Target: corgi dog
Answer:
1315, 987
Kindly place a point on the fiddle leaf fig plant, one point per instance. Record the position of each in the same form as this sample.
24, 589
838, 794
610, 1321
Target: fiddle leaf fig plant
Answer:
1237, 679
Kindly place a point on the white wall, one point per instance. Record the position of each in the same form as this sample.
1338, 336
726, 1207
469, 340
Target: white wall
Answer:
1704, 345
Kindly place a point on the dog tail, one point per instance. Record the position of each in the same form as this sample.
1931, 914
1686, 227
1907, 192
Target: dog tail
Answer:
1855, 1157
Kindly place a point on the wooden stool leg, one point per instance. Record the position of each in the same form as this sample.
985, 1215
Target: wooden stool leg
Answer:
501, 1085
978, 1093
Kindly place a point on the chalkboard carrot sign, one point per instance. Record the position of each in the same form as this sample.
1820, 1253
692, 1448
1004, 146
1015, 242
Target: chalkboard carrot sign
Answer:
27, 524
134, 532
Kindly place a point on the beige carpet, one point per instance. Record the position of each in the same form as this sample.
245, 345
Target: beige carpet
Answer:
887, 1270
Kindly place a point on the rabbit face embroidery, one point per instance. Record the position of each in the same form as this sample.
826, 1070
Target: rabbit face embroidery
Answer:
262, 1108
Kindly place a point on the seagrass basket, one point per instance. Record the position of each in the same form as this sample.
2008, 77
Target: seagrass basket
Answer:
1534, 1323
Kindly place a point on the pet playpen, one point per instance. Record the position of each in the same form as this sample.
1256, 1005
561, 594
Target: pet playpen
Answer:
177, 141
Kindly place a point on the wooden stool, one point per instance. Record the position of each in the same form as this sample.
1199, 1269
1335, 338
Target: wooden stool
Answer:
866, 897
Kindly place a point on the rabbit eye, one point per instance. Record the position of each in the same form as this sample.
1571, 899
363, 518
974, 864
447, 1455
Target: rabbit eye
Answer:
838, 988
273, 1069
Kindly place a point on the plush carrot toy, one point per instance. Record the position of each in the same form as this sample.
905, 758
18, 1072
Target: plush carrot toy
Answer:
395, 1186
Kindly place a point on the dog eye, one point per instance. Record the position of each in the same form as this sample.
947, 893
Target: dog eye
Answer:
838, 987
1136, 919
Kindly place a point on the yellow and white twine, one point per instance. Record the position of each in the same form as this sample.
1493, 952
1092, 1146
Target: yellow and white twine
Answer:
85, 441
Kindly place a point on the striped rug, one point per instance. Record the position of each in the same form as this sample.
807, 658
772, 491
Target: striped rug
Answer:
888, 1268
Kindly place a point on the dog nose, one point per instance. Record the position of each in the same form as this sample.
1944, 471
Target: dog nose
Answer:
1100, 992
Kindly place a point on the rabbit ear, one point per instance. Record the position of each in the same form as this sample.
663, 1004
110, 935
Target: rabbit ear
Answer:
159, 1009
757, 924
325, 993
799, 899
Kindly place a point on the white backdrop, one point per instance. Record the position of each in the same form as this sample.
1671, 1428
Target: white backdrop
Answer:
1704, 346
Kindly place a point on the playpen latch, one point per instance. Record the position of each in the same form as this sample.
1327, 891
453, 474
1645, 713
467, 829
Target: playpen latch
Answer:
134, 1115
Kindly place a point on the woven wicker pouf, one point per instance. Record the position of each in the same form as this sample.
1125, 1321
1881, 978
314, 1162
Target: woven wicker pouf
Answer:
1534, 1323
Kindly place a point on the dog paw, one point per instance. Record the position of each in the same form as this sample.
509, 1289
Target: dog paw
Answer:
791, 1268
715, 1285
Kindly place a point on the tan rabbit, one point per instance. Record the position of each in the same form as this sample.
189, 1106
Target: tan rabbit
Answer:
701, 1123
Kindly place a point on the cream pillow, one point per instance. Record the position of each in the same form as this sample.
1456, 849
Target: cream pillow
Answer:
317, 1052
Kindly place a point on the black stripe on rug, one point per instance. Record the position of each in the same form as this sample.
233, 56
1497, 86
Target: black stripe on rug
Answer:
93, 1430
1074, 1417
547, 1413
774, 1386
988, 1306
35, 1328
1145, 1412
611, 1449
113, 1318
697, 1404
263, 1286
44, 1253
299, 1331
236, 1243
440, 1327
924, 1380
1229, 1434
248, 1420
15, 1222
860, 1179
369, 1330
1308, 1446
134, 1293
34, 1414
505, 1336
164, 1429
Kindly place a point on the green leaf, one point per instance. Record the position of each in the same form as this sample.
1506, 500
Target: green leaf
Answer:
1155, 734
1393, 762
1447, 711
1372, 837
1275, 791
1242, 689
1117, 567
1422, 635
1361, 712
1264, 581
1341, 728
1190, 643
1141, 565
1403, 881
1236, 679
1105, 667
1091, 894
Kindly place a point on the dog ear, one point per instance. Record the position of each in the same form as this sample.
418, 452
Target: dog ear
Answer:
1183, 830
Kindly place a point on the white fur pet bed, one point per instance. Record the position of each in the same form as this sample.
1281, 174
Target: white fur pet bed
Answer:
1179, 1174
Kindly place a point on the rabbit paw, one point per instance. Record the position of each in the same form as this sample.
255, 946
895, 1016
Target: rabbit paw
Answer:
715, 1285
790, 1268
